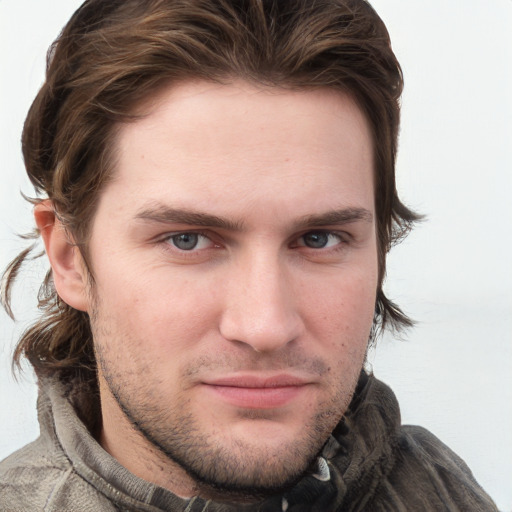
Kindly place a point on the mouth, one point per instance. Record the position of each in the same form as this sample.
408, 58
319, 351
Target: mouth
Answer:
256, 392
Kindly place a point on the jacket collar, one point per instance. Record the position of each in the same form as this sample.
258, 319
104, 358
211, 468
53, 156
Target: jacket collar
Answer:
357, 456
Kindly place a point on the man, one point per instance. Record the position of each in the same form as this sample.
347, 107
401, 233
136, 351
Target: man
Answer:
217, 201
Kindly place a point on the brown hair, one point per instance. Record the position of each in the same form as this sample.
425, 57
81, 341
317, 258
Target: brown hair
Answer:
113, 54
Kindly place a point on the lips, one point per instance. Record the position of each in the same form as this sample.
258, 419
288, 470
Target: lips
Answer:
257, 392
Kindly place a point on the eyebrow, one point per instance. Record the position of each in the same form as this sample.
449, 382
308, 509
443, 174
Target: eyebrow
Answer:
166, 215
337, 217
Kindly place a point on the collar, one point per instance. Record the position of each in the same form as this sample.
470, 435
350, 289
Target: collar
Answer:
357, 456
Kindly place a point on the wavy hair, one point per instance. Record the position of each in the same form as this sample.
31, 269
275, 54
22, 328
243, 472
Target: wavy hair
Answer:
114, 54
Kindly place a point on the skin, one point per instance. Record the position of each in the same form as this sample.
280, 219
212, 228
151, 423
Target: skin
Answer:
234, 260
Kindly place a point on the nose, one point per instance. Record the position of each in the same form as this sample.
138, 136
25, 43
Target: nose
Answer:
260, 305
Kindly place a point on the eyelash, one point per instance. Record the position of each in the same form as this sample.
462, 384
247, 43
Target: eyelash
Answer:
166, 241
342, 237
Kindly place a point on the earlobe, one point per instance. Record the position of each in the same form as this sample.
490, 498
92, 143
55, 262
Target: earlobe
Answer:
68, 269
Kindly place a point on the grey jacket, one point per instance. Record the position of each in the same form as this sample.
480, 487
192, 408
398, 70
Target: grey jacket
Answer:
370, 463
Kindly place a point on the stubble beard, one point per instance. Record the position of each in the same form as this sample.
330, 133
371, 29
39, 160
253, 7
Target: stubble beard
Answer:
236, 469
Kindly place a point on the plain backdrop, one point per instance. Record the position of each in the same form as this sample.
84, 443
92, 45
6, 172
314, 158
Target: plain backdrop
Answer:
452, 372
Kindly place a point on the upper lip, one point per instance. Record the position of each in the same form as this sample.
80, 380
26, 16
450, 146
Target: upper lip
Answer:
258, 381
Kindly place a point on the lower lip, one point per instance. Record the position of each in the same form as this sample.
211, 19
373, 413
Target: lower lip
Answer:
257, 398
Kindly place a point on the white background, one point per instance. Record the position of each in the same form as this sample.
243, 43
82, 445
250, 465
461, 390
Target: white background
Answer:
453, 373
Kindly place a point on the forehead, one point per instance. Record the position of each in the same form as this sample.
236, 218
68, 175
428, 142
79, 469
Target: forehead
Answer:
223, 144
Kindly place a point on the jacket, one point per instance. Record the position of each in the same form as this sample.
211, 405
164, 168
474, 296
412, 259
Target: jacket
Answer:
370, 463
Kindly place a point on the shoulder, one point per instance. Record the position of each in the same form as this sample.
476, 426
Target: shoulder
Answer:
420, 448
433, 476
407, 466
39, 478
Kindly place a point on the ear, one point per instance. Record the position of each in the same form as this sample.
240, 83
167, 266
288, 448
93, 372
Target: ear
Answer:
68, 268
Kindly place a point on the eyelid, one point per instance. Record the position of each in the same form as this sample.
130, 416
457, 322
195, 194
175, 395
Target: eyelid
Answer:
343, 236
217, 242
165, 242
199, 239
177, 256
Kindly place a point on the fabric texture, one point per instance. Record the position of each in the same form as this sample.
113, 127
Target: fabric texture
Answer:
370, 463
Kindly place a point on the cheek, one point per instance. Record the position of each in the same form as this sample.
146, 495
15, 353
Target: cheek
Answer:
345, 304
341, 315
160, 309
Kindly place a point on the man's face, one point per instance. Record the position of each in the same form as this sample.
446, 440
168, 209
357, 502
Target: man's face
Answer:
235, 270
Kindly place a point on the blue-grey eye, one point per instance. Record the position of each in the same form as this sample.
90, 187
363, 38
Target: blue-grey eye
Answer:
320, 239
185, 241
316, 239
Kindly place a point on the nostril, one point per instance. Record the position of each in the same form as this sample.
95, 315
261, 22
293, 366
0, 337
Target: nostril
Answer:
262, 335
